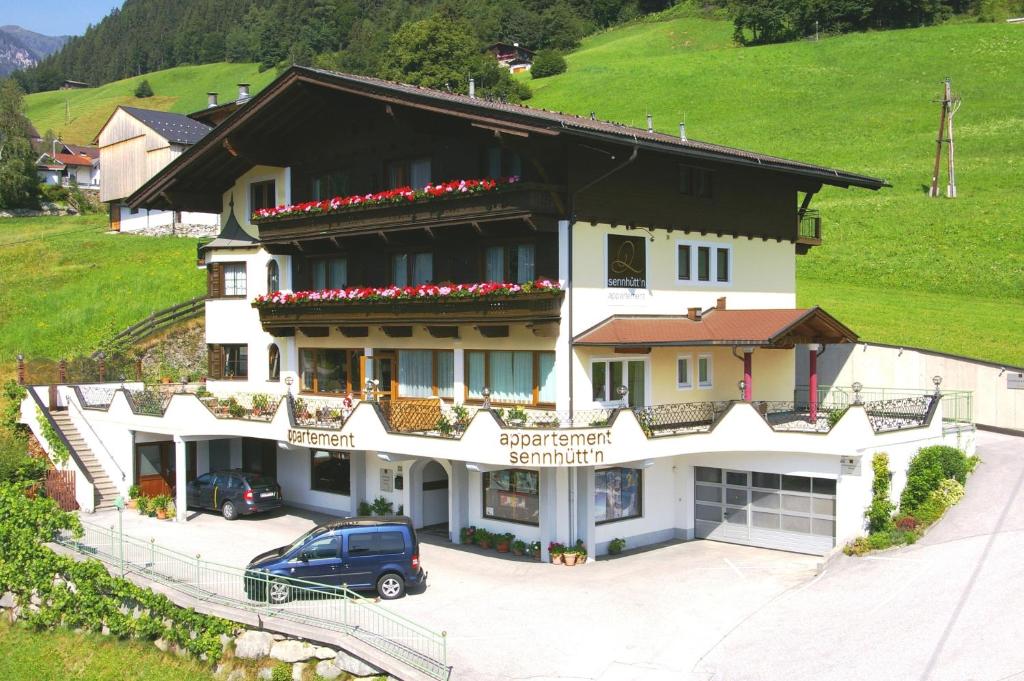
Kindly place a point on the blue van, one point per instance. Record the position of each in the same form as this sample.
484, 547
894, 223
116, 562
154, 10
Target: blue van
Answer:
361, 553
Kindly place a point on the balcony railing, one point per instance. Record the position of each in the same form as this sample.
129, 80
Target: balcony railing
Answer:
808, 231
680, 418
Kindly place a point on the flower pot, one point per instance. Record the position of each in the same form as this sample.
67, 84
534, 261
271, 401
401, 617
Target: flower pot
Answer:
557, 558
132, 503
502, 547
517, 552
536, 555
468, 540
580, 559
569, 559
161, 514
484, 544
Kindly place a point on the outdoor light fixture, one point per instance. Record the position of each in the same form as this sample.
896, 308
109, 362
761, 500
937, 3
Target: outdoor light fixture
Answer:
20, 357
184, 383
857, 387
288, 380
486, 393
742, 385
622, 391
937, 380
384, 457
475, 467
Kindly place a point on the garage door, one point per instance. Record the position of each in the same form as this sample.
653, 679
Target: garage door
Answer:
788, 512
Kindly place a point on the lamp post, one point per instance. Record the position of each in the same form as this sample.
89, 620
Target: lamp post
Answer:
622, 391
742, 385
119, 505
937, 380
102, 357
486, 393
21, 369
288, 380
857, 387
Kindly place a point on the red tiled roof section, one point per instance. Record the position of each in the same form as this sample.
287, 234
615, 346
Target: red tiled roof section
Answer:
779, 328
73, 159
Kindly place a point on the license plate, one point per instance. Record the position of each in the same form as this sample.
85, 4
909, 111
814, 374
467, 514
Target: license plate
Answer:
268, 494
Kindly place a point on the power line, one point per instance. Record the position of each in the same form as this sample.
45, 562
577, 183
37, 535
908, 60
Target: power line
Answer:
47, 237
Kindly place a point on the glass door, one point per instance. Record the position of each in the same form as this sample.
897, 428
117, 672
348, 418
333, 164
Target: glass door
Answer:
385, 365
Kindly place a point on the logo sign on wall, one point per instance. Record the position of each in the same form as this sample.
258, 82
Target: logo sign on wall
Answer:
627, 261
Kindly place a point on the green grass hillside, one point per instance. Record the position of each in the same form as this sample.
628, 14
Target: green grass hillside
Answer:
898, 266
182, 90
67, 285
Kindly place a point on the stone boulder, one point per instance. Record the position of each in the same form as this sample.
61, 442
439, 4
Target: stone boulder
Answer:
298, 671
252, 645
353, 665
326, 669
292, 651
324, 653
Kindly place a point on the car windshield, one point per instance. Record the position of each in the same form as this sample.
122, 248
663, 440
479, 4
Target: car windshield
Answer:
260, 481
298, 543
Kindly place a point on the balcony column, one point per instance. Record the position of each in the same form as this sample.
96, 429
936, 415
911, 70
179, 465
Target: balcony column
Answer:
357, 480
458, 501
367, 368
748, 378
586, 527
180, 472
812, 380
548, 509
459, 366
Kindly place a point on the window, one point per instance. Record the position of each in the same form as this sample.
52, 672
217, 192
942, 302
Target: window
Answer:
330, 472
617, 494
512, 495
606, 376
695, 181
329, 273
329, 185
390, 542
684, 372
236, 361
262, 195
702, 263
273, 277
705, 378
259, 456
499, 162
413, 173
234, 279
273, 363
513, 377
511, 263
323, 547
412, 269
375, 543
426, 373
330, 371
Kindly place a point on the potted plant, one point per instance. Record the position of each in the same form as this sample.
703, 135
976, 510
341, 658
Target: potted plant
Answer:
518, 547
503, 542
260, 404
616, 545
142, 503
557, 553
365, 509
581, 552
160, 506
461, 418
484, 539
171, 510
569, 556
466, 535
134, 492
516, 416
535, 550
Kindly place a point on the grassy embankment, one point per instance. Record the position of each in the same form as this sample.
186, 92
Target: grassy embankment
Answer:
897, 266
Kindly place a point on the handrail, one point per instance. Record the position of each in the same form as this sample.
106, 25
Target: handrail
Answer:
106, 451
72, 452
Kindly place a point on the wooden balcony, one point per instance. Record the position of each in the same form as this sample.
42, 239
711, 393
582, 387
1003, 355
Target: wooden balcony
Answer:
808, 231
538, 205
534, 308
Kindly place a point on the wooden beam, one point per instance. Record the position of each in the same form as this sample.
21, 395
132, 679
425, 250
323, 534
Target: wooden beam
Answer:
383, 236
443, 331
529, 221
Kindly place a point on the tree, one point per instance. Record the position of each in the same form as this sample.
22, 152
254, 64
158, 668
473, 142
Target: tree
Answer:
19, 187
547, 63
438, 52
143, 90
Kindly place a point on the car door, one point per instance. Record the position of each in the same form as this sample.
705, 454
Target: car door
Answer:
318, 561
360, 559
219, 492
199, 492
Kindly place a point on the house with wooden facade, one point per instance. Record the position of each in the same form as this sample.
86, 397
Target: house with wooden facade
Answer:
134, 145
493, 316
512, 56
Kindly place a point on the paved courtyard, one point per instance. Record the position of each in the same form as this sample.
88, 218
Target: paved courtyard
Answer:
946, 608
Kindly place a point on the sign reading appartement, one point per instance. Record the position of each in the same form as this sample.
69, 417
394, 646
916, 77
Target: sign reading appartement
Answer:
321, 439
627, 262
556, 448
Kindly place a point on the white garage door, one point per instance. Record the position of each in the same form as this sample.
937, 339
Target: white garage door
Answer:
788, 512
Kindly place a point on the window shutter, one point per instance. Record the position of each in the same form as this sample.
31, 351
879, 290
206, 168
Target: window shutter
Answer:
214, 280
215, 361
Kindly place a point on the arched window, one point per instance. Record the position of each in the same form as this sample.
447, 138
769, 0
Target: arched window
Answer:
273, 277
274, 363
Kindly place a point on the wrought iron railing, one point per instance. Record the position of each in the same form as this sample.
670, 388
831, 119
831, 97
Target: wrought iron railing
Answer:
957, 405
679, 418
550, 418
800, 417
248, 406
327, 413
810, 225
333, 609
148, 401
901, 413
95, 396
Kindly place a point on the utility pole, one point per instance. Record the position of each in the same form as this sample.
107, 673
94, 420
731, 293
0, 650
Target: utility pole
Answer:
950, 105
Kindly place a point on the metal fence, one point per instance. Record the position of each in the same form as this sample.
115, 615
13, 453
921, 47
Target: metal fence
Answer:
957, 405
334, 608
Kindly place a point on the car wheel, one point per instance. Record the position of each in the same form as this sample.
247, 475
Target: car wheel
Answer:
229, 511
390, 586
279, 593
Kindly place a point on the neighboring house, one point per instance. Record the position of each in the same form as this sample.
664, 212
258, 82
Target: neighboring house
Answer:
73, 85
512, 56
134, 145
634, 377
67, 168
215, 113
48, 170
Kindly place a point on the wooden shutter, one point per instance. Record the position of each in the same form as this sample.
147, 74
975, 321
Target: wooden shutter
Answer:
215, 361
214, 280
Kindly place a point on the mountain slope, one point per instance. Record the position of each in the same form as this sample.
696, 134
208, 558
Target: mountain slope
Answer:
182, 90
21, 48
899, 266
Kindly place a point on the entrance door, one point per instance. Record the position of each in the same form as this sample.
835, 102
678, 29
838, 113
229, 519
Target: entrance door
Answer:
434, 504
154, 468
788, 512
115, 216
259, 456
385, 370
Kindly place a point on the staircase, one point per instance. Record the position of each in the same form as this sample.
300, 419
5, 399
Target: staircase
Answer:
105, 490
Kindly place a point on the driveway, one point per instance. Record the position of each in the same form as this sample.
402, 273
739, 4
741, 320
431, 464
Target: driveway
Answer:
948, 607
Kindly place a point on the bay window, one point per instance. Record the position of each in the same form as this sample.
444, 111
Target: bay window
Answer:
234, 279
324, 370
426, 373
618, 494
703, 263
607, 375
512, 495
512, 376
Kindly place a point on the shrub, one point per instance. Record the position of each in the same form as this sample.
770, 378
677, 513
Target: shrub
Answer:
143, 90
834, 416
381, 506
547, 63
949, 491
930, 510
929, 467
365, 508
954, 462
282, 671
16, 464
879, 513
907, 523
616, 545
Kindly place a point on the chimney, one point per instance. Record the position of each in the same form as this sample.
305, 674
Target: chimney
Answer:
682, 131
211, 100
243, 92
650, 123
472, 88
720, 303
693, 314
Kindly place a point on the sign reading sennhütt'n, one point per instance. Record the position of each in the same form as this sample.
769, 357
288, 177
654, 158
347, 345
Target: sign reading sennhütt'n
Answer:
627, 261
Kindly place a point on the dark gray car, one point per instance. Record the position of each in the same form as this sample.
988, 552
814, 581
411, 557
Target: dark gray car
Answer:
234, 492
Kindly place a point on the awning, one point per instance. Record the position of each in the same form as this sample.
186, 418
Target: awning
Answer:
761, 328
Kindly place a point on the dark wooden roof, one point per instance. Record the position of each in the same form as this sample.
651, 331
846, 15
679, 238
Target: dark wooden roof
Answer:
212, 155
